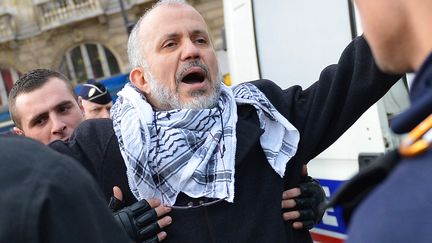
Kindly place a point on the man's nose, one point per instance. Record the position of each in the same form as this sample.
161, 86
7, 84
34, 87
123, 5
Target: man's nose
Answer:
58, 126
190, 51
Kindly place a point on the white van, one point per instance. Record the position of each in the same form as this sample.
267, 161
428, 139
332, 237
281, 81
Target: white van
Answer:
290, 42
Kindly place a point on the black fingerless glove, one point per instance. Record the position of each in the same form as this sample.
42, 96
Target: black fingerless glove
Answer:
310, 202
139, 220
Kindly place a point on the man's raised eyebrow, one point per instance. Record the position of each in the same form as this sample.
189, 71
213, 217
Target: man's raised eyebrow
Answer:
175, 35
169, 36
63, 103
199, 32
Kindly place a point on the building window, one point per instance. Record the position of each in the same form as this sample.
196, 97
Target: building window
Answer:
8, 76
89, 61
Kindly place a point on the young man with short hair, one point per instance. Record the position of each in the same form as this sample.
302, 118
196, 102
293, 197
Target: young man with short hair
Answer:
44, 106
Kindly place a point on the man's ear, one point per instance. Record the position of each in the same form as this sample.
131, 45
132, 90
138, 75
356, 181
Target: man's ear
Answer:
80, 105
79, 101
137, 77
18, 131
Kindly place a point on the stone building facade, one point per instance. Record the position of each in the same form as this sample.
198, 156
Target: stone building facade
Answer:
81, 38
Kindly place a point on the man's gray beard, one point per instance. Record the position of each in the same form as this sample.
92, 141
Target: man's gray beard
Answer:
169, 100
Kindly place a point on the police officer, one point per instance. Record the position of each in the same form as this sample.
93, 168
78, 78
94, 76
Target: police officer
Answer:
95, 99
47, 197
391, 200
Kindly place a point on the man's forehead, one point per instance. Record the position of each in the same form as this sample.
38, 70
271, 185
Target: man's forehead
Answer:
52, 87
165, 19
50, 95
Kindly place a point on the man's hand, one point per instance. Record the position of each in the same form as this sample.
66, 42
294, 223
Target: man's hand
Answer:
142, 220
303, 204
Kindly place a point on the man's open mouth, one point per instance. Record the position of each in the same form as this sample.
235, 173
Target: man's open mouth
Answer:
195, 76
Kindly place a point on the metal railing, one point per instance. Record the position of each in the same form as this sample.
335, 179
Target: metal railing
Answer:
54, 13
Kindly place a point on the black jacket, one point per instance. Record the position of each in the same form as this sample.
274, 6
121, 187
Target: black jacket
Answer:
46, 197
321, 113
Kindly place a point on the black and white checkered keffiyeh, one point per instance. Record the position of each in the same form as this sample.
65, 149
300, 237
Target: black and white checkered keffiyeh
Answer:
167, 152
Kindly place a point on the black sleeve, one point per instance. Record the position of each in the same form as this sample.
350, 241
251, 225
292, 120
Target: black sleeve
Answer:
47, 197
73, 209
325, 110
94, 144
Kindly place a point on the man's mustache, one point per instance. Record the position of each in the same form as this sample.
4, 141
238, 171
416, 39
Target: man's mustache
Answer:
181, 73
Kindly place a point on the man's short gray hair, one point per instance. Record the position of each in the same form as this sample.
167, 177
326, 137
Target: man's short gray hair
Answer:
134, 48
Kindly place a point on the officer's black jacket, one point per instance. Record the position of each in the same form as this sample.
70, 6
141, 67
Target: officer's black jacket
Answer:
396, 207
47, 197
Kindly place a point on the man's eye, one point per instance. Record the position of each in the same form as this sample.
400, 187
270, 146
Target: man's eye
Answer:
201, 41
169, 44
39, 122
64, 109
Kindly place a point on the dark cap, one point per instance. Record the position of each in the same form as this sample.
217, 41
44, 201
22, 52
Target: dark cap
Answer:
95, 92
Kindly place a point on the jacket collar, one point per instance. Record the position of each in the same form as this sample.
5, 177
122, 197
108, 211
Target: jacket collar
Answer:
421, 100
